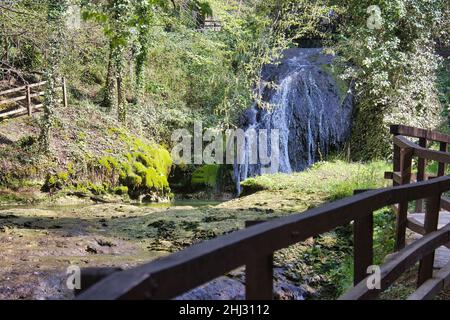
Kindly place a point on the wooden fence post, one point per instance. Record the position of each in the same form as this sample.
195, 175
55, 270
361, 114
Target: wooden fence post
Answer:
362, 247
433, 206
402, 214
442, 166
64, 90
259, 275
421, 173
29, 106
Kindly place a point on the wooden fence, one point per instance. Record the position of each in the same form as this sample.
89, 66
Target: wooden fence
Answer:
26, 94
405, 152
254, 246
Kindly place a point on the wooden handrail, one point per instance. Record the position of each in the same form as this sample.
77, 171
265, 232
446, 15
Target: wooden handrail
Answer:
419, 133
421, 152
173, 275
399, 263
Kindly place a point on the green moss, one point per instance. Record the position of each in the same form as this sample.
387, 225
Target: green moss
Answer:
63, 176
109, 163
121, 190
206, 175
334, 71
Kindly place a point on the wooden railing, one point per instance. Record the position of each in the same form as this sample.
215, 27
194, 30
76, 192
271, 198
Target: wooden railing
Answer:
26, 94
405, 151
254, 247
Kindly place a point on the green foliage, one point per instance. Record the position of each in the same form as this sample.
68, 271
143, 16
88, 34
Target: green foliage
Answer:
393, 68
206, 175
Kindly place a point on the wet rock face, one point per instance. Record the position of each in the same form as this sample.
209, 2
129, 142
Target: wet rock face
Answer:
308, 108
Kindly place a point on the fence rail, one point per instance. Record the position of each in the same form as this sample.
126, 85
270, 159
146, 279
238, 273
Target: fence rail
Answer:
26, 94
254, 246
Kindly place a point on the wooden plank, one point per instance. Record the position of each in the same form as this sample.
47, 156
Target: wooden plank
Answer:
421, 163
402, 213
15, 99
173, 275
13, 90
259, 275
13, 112
415, 225
37, 84
430, 225
362, 246
445, 203
399, 263
419, 133
37, 94
422, 152
397, 177
64, 90
442, 165
433, 286
29, 106
396, 160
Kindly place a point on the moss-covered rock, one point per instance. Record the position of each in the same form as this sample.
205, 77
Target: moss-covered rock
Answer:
142, 171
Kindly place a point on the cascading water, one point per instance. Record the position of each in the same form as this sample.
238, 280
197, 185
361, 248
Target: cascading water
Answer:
307, 107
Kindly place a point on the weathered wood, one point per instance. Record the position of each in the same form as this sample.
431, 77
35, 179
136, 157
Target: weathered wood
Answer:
166, 278
399, 263
13, 90
29, 107
259, 275
402, 213
37, 94
430, 225
11, 100
13, 112
37, 84
419, 133
64, 91
433, 286
27, 98
362, 246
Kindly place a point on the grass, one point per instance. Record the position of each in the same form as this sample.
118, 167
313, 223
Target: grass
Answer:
335, 179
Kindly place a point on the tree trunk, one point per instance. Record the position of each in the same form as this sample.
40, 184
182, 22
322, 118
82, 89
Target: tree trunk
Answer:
56, 9
122, 104
109, 99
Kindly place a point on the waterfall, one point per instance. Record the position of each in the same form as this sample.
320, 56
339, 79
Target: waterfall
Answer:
312, 115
